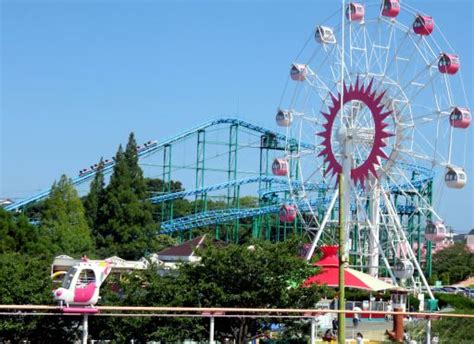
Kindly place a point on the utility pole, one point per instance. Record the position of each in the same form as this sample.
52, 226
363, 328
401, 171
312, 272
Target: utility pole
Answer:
341, 333
344, 200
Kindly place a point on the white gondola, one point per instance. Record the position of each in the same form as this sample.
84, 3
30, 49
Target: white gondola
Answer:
284, 118
324, 34
299, 71
455, 177
404, 269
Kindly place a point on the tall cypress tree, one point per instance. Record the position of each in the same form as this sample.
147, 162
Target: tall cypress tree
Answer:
126, 225
95, 198
63, 220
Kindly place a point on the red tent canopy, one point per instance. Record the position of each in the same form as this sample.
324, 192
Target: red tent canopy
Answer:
329, 274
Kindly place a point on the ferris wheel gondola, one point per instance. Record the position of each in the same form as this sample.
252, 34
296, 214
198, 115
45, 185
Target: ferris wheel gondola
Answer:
355, 12
460, 118
391, 8
284, 118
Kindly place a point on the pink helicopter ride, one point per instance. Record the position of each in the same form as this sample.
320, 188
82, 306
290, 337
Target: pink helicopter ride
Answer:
79, 291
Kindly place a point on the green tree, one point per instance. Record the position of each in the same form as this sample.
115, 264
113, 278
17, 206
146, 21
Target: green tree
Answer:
63, 220
18, 235
25, 259
449, 330
453, 264
24, 279
256, 276
126, 227
138, 183
94, 199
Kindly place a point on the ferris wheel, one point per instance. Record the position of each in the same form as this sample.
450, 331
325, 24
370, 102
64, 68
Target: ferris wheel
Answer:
404, 116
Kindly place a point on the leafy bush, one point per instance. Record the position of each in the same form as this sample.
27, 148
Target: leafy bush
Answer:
459, 302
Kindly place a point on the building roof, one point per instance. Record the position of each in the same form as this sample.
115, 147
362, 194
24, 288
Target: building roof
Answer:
5, 201
186, 249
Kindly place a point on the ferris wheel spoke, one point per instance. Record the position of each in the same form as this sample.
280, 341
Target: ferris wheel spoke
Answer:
427, 117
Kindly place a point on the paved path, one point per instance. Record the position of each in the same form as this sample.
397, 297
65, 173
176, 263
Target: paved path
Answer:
374, 330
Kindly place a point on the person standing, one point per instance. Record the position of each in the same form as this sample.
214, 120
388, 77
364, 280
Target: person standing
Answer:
389, 309
335, 325
356, 318
359, 338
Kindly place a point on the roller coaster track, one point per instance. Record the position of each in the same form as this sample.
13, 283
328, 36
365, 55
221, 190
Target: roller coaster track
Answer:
225, 215
219, 216
213, 217
264, 179
153, 149
295, 184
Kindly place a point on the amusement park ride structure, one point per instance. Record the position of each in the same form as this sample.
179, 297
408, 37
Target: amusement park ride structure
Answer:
398, 124
383, 102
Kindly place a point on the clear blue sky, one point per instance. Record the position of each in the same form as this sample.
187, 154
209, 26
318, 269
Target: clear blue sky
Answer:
78, 76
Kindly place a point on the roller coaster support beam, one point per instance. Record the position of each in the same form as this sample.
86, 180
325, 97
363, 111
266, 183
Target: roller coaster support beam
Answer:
232, 174
200, 168
167, 208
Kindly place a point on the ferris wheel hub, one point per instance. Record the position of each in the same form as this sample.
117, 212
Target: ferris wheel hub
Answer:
353, 134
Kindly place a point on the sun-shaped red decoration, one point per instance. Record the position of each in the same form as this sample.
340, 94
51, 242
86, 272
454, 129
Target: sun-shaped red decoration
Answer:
373, 103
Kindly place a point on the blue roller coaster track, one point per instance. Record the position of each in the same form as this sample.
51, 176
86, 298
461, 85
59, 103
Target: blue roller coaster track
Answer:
226, 215
264, 179
150, 150
219, 216
273, 185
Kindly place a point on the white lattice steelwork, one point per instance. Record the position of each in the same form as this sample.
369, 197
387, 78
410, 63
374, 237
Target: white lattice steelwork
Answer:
401, 120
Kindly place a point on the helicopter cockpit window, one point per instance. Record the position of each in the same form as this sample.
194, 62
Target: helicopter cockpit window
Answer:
87, 276
68, 278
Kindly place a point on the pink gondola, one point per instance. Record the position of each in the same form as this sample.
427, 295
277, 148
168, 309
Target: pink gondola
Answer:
391, 8
355, 12
435, 231
280, 167
448, 64
460, 118
287, 213
423, 25
299, 71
